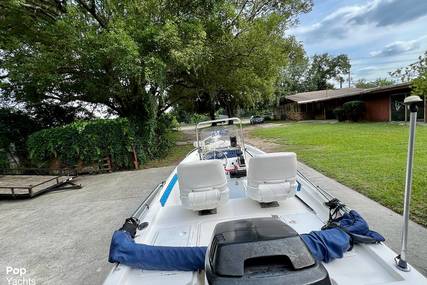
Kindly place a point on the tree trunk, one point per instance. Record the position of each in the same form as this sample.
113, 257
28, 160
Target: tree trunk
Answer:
230, 112
212, 109
212, 114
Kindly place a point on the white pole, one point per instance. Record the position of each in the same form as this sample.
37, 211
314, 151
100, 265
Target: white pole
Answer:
411, 102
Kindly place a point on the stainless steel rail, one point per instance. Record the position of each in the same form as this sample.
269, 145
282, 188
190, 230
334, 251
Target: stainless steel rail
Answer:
145, 205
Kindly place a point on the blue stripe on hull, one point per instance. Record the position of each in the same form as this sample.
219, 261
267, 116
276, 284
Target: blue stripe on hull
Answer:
168, 190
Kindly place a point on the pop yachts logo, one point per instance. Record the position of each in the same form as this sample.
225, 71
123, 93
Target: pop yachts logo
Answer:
16, 276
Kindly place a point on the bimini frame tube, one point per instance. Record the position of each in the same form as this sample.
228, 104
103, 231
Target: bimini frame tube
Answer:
411, 102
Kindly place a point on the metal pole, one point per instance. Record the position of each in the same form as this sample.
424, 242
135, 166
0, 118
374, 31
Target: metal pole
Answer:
145, 204
424, 107
411, 102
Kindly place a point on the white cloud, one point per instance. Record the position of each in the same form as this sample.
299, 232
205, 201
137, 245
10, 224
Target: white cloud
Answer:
348, 20
399, 47
378, 35
368, 69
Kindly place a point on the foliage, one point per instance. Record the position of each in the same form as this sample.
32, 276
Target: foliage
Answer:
313, 74
268, 118
197, 118
416, 73
294, 78
117, 53
339, 114
413, 70
15, 127
379, 82
140, 58
245, 53
4, 161
353, 110
325, 67
419, 85
164, 140
55, 115
186, 117
91, 141
368, 157
61, 143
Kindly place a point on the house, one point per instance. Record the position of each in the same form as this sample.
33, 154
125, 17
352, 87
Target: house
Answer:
382, 104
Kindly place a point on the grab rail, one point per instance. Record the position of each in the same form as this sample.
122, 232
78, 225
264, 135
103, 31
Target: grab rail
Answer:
144, 206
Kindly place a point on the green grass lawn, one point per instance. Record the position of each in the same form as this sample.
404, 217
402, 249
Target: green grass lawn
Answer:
368, 157
175, 154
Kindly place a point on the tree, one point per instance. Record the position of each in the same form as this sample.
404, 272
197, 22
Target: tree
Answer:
325, 67
246, 54
411, 71
419, 85
304, 74
116, 53
56, 115
416, 73
379, 82
120, 54
293, 78
15, 127
137, 56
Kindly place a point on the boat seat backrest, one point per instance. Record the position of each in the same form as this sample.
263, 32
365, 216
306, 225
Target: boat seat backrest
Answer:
272, 176
202, 184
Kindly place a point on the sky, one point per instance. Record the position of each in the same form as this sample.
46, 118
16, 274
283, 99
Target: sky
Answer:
379, 36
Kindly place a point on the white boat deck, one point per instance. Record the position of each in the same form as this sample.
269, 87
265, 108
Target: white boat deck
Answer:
172, 225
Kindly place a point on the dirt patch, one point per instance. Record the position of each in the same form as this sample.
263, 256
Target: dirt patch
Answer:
263, 144
189, 134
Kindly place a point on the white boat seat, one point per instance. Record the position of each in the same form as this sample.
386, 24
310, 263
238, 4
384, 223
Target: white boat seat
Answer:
202, 184
272, 176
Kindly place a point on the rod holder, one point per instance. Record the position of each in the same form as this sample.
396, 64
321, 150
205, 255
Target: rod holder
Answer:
400, 260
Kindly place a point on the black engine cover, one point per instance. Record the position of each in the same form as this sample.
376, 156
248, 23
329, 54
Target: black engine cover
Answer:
261, 251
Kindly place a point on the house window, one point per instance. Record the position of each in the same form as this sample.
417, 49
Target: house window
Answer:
398, 108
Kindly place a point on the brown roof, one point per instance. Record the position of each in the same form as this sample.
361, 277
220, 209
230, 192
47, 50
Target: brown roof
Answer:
323, 95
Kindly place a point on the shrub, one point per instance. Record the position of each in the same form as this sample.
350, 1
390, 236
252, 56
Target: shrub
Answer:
197, 118
164, 138
267, 118
4, 161
15, 127
62, 143
339, 114
88, 141
354, 110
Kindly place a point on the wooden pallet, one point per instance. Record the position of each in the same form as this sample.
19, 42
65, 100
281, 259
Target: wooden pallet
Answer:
106, 165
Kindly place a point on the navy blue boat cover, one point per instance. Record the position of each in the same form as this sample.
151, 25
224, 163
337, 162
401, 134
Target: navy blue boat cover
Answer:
123, 249
325, 245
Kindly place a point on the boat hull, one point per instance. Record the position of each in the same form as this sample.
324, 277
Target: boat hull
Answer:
172, 225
